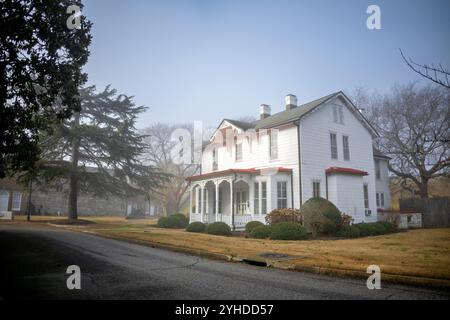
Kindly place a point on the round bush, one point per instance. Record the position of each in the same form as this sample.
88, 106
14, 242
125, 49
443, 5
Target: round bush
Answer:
175, 221
349, 232
219, 229
261, 232
196, 227
252, 225
321, 216
288, 231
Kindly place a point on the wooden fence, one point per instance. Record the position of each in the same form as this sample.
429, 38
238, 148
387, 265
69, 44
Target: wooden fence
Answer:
435, 211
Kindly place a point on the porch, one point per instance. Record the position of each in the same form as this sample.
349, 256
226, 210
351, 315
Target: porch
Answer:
235, 197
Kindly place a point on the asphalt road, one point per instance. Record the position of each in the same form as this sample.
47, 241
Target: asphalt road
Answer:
33, 263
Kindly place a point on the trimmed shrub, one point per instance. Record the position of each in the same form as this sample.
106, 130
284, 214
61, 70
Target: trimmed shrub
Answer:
333, 220
283, 215
219, 229
288, 231
261, 232
174, 221
321, 216
252, 225
196, 227
349, 232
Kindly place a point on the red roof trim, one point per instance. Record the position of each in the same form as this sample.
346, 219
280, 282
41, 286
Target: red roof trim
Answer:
233, 171
346, 170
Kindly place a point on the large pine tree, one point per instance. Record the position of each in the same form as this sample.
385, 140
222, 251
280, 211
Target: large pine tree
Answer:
98, 150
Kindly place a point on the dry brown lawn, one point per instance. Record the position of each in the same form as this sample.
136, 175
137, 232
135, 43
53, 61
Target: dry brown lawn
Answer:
419, 253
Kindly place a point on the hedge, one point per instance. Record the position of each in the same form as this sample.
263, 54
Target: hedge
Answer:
367, 229
349, 232
288, 231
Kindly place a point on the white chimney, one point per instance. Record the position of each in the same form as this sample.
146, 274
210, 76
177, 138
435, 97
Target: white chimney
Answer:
291, 101
264, 111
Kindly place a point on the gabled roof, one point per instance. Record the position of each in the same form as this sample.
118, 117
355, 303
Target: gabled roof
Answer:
241, 124
294, 114
378, 154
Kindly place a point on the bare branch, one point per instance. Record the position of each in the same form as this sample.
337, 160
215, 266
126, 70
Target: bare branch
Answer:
439, 72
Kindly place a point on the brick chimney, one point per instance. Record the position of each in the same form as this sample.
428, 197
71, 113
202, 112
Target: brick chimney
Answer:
291, 101
264, 111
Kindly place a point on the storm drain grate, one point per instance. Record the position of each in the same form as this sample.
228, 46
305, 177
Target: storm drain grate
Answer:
255, 263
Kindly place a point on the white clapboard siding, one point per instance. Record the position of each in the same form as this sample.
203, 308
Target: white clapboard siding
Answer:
315, 132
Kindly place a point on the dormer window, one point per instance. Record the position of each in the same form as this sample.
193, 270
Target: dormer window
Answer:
338, 114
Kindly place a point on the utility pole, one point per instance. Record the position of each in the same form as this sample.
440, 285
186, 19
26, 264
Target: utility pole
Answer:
30, 190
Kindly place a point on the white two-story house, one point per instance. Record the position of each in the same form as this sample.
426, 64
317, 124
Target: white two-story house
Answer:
323, 148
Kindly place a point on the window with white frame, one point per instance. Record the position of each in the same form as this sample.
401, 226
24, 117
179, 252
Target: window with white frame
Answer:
273, 144
281, 194
215, 159
256, 197
346, 147
382, 200
316, 189
16, 201
239, 151
366, 196
333, 145
377, 169
378, 200
263, 197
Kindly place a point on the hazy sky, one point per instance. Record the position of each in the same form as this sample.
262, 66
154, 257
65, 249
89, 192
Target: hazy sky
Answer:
206, 60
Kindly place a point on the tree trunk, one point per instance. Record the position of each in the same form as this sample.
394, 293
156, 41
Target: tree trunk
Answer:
73, 185
423, 188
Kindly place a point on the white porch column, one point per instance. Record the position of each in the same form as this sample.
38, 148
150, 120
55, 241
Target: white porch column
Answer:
202, 209
190, 204
216, 205
231, 203
251, 199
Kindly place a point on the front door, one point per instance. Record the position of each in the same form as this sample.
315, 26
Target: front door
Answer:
241, 202
4, 199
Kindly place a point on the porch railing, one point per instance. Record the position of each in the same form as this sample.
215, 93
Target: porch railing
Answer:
240, 220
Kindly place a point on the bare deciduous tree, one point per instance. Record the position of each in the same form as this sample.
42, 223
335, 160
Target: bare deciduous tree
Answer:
414, 124
159, 153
